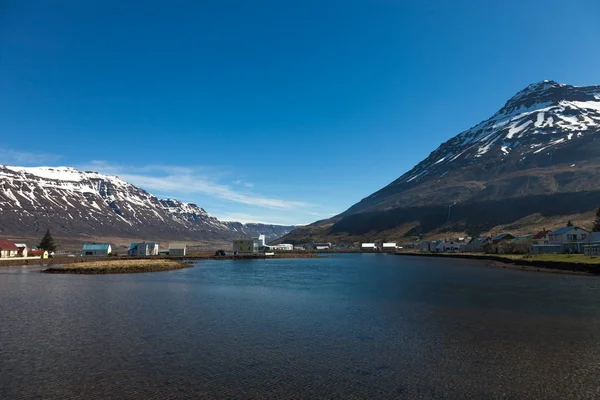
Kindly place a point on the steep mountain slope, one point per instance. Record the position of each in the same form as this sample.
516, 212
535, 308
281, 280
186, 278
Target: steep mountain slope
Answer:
73, 202
537, 154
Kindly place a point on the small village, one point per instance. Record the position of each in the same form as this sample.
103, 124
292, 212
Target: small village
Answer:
565, 240
570, 239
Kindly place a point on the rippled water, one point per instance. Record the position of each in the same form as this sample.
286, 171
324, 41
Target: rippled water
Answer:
349, 327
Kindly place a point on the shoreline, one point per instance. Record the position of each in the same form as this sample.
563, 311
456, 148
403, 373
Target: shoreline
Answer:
117, 267
533, 265
48, 262
529, 268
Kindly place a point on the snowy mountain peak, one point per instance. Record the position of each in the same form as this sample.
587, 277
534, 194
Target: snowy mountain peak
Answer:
537, 119
546, 93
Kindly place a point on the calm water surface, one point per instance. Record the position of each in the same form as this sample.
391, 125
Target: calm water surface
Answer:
346, 327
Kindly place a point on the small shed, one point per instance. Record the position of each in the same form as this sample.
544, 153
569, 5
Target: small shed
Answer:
96, 250
177, 249
43, 254
390, 246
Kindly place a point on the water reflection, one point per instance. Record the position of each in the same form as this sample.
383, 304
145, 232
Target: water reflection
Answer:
353, 326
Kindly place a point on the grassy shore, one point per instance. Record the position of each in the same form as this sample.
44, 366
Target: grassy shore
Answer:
577, 263
116, 267
563, 258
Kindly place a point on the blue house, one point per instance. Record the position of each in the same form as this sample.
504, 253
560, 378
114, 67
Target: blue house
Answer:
96, 250
571, 238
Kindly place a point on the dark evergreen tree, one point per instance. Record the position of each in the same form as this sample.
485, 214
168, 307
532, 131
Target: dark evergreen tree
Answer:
597, 221
569, 223
47, 242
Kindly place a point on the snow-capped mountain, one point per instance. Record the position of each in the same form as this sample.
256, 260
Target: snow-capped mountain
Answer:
73, 202
539, 118
537, 155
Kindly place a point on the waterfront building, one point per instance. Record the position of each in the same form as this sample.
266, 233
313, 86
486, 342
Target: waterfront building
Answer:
391, 246
143, 249
8, 248
368, 246
246, 245
177, 249
96, 250
571, 238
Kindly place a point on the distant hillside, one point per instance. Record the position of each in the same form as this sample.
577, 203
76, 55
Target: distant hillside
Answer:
73, 203
534, 160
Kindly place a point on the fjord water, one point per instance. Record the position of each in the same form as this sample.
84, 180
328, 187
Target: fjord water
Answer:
360, 326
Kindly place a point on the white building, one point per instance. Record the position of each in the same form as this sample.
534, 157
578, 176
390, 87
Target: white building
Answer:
261, 241
389, 246
96, 250
283, 246
368, 246
177, 249
143, 249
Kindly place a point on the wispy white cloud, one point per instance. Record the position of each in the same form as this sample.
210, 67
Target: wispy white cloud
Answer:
24, 158
177, 181
241, 182
246, 218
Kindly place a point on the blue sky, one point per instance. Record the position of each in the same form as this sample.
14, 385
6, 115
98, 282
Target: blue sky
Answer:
276, 111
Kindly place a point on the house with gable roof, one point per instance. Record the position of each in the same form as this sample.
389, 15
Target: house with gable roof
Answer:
8, 249
571, 238
96, 250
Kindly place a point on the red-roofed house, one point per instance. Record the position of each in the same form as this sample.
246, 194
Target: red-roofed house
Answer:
8, 248
541, 237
